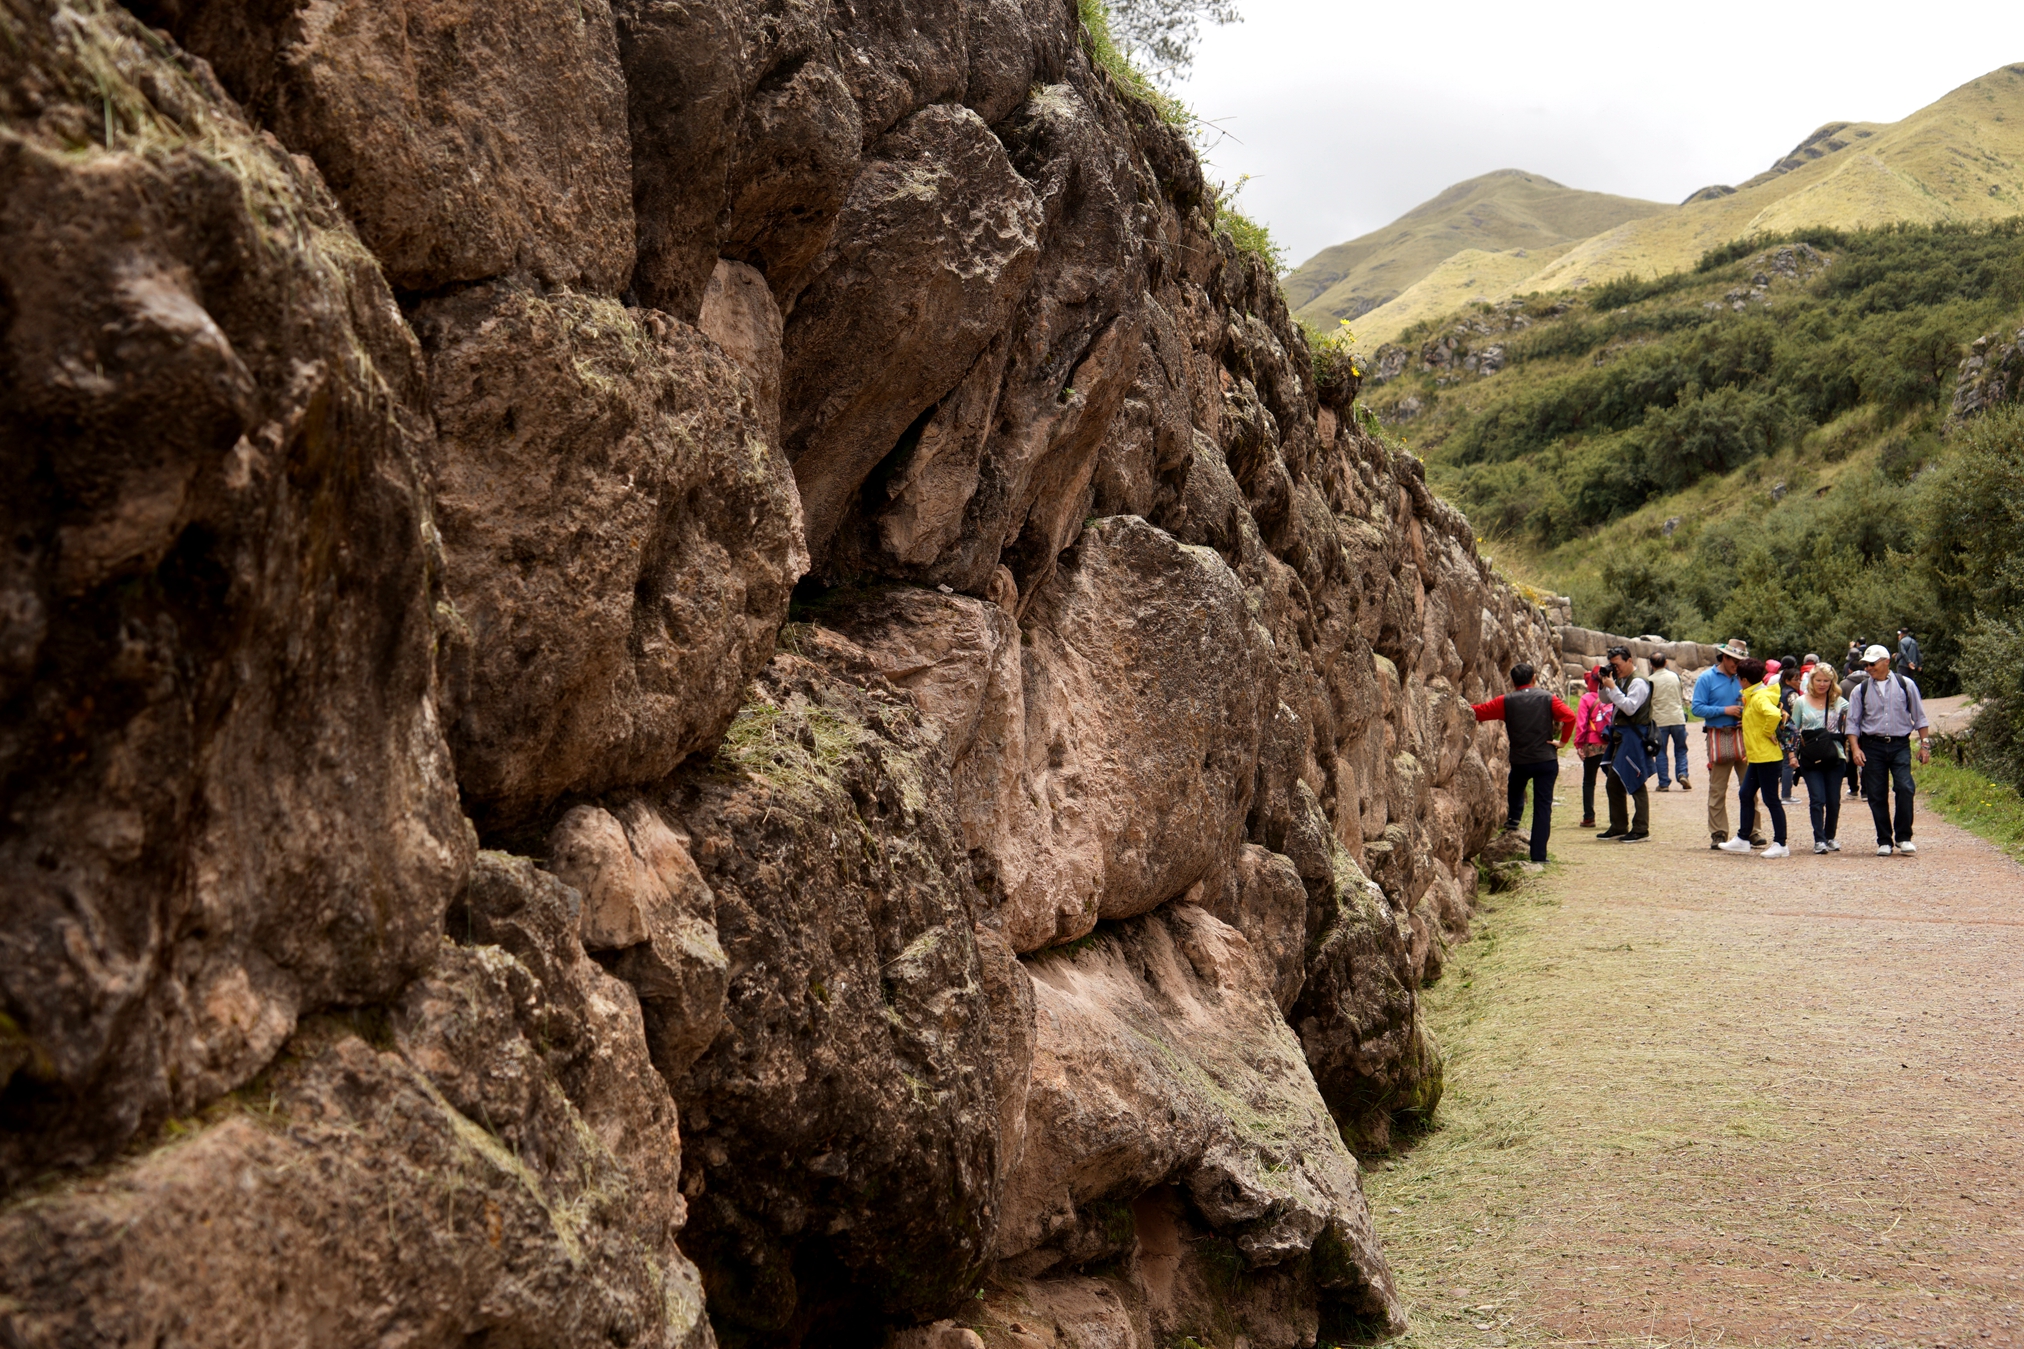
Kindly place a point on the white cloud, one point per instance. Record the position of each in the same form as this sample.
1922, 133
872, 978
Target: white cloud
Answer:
1349, 115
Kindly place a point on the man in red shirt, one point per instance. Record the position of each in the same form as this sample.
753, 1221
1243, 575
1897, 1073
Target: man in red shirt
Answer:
1529, 715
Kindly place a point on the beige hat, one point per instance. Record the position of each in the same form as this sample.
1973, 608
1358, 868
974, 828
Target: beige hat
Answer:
1874, 654
1737, 648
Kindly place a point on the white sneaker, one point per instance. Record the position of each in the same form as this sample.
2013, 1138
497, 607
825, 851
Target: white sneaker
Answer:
1908, 848
1778, 850
1834, 845
1883, 850
1735, 845
1820, 849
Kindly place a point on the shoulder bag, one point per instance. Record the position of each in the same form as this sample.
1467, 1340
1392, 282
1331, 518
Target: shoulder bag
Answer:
1725, 745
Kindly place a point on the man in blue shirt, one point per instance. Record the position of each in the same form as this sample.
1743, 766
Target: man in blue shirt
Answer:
1718, 702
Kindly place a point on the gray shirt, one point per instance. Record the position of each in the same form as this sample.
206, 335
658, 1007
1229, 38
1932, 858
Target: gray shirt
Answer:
1890, 708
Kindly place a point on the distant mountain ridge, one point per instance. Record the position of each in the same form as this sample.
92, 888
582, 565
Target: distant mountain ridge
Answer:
1504, 211
1512, 233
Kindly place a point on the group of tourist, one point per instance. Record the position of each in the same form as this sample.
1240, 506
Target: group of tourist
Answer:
1769, 726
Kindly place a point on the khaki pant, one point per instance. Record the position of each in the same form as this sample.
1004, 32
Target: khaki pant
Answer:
1719, 777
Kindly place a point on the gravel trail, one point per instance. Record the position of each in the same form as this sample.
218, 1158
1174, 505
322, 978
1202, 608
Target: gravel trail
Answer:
1698, 1099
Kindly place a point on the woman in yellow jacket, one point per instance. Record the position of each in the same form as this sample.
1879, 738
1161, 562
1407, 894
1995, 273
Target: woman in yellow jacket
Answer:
1765, 760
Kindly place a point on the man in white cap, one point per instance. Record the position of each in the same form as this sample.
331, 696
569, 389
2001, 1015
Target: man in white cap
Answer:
1884, 713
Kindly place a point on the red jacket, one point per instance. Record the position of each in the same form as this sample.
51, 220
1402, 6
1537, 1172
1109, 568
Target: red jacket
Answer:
1562, 713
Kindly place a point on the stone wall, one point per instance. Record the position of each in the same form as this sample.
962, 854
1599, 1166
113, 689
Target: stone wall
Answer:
687, 674
1583, 650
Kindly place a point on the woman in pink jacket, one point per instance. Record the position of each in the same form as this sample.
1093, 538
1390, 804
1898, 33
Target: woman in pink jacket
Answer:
1591, 742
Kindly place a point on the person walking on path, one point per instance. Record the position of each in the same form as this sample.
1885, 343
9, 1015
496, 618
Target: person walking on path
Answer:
1884, 713
1529, 715
1910, 663
1848, 682
1718, 702
1851, 664
1820, 715
1764, 756
1669, 722
1630, 751
1790, 672
1591, 741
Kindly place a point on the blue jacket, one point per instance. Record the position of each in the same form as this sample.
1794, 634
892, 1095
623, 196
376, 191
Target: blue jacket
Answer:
1714, 691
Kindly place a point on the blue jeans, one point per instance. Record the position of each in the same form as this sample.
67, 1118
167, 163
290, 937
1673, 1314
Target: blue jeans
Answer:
1541, 775
1823, 799
1887, 765
1676, 736
1761, 779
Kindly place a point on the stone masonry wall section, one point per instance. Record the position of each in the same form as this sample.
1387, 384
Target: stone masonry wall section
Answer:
693, 674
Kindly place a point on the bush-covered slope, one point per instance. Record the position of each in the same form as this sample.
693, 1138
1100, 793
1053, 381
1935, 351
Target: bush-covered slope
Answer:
1765, 446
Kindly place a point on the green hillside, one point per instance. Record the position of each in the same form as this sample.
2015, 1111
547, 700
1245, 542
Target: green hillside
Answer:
1508, 211
1763, 445
1958, 159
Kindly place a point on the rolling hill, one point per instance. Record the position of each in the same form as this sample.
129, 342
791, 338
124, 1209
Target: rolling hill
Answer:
1526, 216
1958, 159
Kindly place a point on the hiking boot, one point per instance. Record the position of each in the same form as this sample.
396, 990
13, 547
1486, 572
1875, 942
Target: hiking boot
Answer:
1685, 785
1664, 788
1735, 845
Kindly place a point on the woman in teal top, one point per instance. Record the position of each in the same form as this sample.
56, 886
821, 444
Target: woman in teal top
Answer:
1821, 710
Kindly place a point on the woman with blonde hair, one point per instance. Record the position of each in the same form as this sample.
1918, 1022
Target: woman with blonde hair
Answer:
1820, 716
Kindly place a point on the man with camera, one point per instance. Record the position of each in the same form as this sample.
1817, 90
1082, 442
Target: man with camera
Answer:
1632, 747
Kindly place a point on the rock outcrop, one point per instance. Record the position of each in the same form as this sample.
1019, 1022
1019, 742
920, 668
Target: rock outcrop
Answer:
968, 733
1991, 374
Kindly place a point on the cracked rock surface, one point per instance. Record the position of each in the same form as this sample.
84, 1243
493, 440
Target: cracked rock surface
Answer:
681, 673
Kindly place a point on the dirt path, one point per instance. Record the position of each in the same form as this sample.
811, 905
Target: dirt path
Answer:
1697, 1099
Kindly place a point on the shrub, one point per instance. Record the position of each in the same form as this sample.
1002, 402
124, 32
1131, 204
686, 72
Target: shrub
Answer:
1711, 433
1247, 234
1630, 288
1336, 373
1639, 595
1974, 526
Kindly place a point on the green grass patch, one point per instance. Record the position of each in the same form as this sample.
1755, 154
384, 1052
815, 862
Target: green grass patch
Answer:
1975, 801
1105, 52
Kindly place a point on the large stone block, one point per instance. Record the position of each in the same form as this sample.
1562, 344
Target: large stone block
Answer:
465, 141
844, 1129
1161, 1058
621, 541
494, 1158
228, 798
932, 253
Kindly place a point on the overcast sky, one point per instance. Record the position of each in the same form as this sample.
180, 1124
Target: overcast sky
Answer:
1347, 115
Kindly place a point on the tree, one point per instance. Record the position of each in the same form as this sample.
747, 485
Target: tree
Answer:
1159, 36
